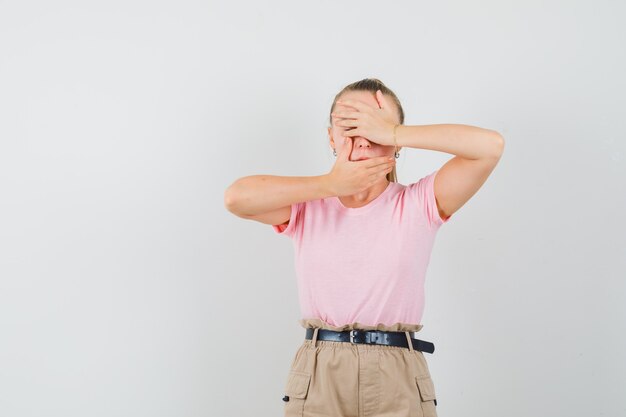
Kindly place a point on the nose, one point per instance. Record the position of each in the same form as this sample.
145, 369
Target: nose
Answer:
360, 142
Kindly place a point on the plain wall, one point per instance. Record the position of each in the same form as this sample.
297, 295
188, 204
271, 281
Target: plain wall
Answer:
127, 288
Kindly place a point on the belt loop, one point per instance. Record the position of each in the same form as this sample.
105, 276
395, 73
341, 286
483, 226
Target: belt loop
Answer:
314, 339
408, 339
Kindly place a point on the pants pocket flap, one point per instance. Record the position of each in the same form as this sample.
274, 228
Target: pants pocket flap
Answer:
298, 384
426, 387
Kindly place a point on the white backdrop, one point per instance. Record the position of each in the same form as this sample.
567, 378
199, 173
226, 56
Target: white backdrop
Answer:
127, 288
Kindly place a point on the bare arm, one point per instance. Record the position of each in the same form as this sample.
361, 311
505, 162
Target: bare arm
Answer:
268, 198
477, 151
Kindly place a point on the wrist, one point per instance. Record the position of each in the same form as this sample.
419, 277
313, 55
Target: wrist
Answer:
400, 135
325, 185
394, 138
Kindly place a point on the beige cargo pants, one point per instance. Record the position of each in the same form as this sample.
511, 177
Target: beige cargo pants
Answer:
341, 379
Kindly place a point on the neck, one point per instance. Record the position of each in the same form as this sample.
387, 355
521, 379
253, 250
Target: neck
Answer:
363, 197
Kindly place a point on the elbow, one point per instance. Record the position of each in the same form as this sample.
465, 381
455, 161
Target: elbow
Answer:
498, 146
236, 198
230, 199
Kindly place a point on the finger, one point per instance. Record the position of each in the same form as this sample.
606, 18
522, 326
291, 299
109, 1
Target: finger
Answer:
380, 99
345, 114
347, 149
344, 106
347, 122
385, 158
357, 104
352, 131
380, 169
340, 108
383, 169
375, 175
383, 103
338, 116
377, 162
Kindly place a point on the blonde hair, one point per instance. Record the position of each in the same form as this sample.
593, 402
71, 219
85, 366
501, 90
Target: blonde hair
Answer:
372, 85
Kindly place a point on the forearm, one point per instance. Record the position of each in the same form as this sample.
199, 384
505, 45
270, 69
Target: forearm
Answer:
466, 141
258, 194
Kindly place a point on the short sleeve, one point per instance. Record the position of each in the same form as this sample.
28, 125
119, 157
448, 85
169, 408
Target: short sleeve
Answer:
294, 221
424, 191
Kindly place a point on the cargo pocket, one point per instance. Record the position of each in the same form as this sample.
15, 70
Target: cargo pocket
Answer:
428, 401
296, 392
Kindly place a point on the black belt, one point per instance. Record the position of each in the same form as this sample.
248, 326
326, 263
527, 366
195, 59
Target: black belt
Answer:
372, 337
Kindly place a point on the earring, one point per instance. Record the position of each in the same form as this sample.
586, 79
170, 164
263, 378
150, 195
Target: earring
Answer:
334, 151
397, 155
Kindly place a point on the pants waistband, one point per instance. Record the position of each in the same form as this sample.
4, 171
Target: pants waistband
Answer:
372, 337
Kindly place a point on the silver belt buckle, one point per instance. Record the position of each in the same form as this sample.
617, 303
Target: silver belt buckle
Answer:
352, 332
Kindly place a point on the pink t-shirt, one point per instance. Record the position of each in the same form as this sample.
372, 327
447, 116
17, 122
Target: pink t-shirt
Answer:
365, 264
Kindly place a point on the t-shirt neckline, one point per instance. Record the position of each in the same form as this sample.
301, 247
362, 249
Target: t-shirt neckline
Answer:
359, 210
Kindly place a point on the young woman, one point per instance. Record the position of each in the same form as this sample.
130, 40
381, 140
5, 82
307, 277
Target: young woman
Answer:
362, 245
